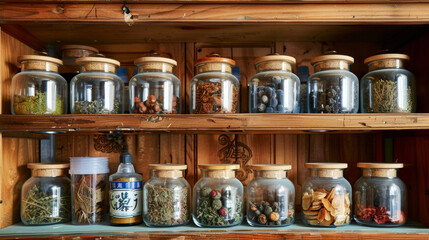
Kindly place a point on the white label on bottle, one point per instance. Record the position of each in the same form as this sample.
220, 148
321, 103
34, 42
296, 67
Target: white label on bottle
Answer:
125, 199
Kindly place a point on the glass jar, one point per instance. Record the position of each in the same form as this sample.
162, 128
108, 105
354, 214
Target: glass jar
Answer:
274, 88
214, 89
333, 88
167, 196
45, 197
388, 87
380, 196
38, 88
97, 89
326, 196
70, 53
218, 197
270, 196
89, 188
155, 89
303, 72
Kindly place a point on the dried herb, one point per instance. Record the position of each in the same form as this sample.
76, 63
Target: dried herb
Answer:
216, 209
46, 207
209, 98
95, 107
379, 215
383, 94
167, 206
88, 198
328, 101
154, 105
37, 104
264, 213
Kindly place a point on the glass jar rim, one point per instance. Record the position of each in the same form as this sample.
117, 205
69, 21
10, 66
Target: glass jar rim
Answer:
168, 167
24, 58
326, 165
380, 165
271, 167
387, 56
84, 60
48, 165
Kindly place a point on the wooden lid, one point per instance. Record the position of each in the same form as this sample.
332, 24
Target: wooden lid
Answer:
333, 57
168, 166
80, 47
386, 56
285, 58
155, 59
215, 60
39, 58
219, 166
98, 60
271, 167
380, 165
326, 165
48, 165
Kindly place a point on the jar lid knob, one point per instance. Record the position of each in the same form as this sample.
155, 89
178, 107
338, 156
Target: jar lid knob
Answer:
126, 157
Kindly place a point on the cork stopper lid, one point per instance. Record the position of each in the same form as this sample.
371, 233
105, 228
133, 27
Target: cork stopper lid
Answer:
158, 64
271, 167
168, 170
389, 60
275, 62
387, 170
219, 170
38, 62
98, 64
214, 63
48, 169
219, 166
328, 170
326, 165
331, 62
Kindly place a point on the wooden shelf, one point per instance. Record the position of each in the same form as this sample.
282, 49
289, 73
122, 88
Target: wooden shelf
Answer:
187, 123
412, 230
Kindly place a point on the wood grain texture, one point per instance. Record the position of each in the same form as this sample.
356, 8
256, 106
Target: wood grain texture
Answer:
223, 1
279, 13
187, 123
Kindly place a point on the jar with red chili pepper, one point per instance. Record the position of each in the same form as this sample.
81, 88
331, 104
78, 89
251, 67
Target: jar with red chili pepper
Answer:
167, 196
380, 196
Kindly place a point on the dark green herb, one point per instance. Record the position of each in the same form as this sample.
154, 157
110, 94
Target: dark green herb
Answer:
95, 107
265, 214
167, 206
44, 207
36, 104
211, 213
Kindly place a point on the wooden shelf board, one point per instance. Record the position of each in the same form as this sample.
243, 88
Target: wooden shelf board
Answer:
245, 122
412, 230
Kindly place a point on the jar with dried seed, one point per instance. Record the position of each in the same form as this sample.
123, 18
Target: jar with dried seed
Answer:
326, 196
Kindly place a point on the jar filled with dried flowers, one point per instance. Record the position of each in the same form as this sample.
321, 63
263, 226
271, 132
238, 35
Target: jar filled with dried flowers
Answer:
380, 196
388, 87
326, 196
214, 89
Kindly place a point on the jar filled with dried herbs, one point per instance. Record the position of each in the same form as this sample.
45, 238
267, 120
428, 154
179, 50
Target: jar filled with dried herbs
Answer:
333, 88
38, 88
214, 89
155, 89
89, 188
218, 196
167, 196
380, 196
125, 196
388, 87
326, 196
270, 196
45, 197
97, 89
275, 88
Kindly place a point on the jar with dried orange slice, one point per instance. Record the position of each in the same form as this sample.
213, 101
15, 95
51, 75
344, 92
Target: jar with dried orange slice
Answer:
326, 196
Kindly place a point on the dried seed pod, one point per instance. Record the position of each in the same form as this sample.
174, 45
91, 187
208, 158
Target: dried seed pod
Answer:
331, 195
306, 201
274, 216
309, 217
217, 204
262, 219
313, 222
339, 220
317, 196
327, 204
310, 213
322, 214
253, 207
315, 208
268, 210
152, 99
338, 201
205, 192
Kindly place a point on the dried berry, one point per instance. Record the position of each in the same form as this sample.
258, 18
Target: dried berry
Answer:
223, 212
262, 219
253, 207
268, 210
274, 216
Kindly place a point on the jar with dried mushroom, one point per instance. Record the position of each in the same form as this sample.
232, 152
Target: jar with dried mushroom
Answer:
388, 86
275, 88
218, 197
380, 196
270, 196
326, 196
333, 88
38, 88
214, 89
97, 89
155, 89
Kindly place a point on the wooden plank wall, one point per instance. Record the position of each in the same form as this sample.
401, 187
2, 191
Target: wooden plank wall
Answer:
15, 153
